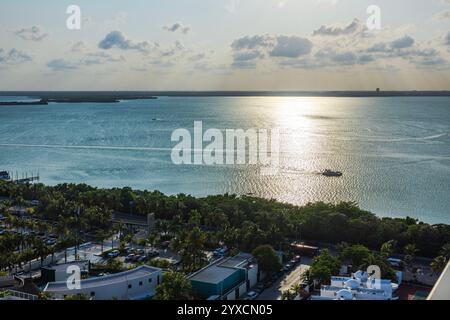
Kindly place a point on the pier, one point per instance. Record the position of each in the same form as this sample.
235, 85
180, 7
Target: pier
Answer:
23, 179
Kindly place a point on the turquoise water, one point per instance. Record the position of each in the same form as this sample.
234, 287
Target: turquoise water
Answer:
394, 152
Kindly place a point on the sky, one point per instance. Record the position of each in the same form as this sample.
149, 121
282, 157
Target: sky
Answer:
225, 45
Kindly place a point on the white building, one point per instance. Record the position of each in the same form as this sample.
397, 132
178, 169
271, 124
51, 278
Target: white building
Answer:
358, 287
136, 284
441, 290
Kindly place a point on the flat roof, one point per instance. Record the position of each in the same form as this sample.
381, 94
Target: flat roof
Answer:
441, 290
222, 269
213, 274
367, 290
137, 273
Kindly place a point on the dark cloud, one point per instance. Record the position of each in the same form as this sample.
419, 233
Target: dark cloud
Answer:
252, 42
247, 55
177, 27
247, 50
13, 56
333, 31
291, 47
34, 33
405, 42
397, 46
116, 39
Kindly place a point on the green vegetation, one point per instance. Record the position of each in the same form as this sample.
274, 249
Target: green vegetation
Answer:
268, 261
192, 225
175, 286
323, 268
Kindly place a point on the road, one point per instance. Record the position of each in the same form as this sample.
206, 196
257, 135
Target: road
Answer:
286, 282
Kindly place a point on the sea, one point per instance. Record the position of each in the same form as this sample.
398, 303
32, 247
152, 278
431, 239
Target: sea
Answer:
394, 152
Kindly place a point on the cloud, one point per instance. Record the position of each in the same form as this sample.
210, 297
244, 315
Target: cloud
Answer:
61, 65
172, 51
116, 39
13, 56
444, 15
177, 27
79, 46
291, 47
405, 42
89, 59
247, 50
252, 42
34, 33
398, 44
447, 39
335, 31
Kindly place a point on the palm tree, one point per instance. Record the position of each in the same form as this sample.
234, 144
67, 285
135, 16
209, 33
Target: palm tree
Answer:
288, 295
438, 264
410, 251
445, 252
388, 248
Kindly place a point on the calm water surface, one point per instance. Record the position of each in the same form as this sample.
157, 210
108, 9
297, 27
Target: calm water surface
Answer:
394, 152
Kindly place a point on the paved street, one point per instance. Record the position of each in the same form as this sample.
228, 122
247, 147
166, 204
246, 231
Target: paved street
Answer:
286, 282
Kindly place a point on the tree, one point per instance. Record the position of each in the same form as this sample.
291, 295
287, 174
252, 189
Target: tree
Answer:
355, 255
388, 248
288, 295
410, 251
268, 261
323, 267
438, 264
445, 251
175, 286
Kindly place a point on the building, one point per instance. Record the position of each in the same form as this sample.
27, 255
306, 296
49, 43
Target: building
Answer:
59, 272
227, 278
441, 290
358, 287
136, 284
4, 175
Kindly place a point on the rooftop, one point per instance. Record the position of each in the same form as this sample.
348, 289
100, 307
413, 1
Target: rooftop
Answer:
106, 280
363, 290
222, 269
213, 274
441, 290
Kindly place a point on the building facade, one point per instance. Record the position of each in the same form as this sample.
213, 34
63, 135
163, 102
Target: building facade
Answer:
136, 284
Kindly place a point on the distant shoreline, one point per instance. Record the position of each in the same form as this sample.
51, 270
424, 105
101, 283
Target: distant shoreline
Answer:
108, 96
45, 99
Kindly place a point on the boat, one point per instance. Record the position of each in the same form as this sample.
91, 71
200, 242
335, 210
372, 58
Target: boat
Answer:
331, 173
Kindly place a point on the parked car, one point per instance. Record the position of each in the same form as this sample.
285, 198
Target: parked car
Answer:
142, 259
252, 295
113, 254
140, 252
153, 254
396, 263
130, 258
220, 252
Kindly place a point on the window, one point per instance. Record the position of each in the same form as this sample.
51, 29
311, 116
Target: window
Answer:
150, 280
130, 286
140, 283
92, 294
